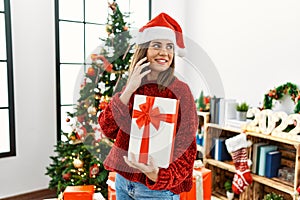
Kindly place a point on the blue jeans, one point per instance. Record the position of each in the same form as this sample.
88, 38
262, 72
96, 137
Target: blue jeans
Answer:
128, 190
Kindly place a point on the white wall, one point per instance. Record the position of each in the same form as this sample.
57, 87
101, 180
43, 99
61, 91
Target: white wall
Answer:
34, 83
255, 45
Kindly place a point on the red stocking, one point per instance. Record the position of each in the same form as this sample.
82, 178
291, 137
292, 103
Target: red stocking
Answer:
237, 147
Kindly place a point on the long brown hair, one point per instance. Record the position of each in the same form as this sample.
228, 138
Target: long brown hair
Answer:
164, 78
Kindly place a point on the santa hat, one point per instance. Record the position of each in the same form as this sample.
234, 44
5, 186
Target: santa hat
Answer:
162, 27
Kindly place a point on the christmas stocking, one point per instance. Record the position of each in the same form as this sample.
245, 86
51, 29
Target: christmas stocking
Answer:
237, 147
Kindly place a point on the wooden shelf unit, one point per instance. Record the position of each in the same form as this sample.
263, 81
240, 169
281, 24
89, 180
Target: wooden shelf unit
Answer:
260, 184
203, 121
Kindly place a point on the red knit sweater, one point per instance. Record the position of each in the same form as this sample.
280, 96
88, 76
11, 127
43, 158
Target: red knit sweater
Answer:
115, 123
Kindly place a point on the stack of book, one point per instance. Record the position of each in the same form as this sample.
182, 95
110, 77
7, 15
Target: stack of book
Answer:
266, 160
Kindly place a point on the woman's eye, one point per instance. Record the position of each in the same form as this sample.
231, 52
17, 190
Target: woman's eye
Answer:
156, 46
170, 47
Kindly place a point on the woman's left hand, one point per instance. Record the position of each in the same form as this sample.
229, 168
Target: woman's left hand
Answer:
151, 171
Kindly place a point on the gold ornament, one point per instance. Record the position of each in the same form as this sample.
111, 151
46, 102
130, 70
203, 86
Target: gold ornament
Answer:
92, 110
97, 96
77, 163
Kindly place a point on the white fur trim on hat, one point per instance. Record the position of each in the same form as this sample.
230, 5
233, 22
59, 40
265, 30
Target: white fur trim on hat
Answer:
155, 33
159, 32
236, 143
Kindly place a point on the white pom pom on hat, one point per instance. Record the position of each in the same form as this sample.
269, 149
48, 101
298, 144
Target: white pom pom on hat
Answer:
162, 27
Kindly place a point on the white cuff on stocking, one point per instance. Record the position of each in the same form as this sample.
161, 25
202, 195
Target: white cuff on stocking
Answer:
236, 142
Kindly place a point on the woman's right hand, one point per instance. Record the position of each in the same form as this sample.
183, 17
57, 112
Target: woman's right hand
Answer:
135, 79
136, 75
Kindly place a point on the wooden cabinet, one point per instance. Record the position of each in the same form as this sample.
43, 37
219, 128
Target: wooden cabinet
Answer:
261, 185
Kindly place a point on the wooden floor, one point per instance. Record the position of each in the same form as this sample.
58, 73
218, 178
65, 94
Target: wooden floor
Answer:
36, 195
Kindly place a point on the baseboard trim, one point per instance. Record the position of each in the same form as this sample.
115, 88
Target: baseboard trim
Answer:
35, 195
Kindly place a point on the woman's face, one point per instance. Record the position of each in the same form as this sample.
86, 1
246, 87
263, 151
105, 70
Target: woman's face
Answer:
160, 54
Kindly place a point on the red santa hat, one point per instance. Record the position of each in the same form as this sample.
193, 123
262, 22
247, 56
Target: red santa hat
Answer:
162, 27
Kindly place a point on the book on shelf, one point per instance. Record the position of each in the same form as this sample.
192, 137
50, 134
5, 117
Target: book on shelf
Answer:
255, 153
273, 160
200, 139
222, 109
219, 151
230, 109
214, 109
263, 150
221, 113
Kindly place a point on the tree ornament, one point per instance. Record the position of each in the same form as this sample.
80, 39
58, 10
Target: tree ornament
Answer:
108, 29
94, 170
113, 6
97, 96
92, 110
125, 28
80, 118
91, 71
72, 137
78, 163
94, 57
103, 105
109, 68
68, 120
67, 176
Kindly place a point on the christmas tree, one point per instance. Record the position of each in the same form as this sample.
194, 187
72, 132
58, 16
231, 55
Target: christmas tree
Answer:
80, 154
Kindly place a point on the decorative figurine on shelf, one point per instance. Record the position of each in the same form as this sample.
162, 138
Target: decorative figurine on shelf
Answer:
203, 103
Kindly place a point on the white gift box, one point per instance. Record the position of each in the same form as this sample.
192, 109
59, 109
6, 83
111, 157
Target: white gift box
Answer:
153, 129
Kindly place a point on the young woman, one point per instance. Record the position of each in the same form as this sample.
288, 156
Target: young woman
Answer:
152, 73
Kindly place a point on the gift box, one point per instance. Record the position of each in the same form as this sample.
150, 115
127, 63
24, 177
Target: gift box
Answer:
201, 189
111, 186
153, 129
82, 192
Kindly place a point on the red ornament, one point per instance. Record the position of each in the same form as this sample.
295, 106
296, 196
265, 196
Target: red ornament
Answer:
80, 118
103, 105
68, 120
91, 71
298, 189
94, 170
66, 176
108, 67
125, 28
270, 94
